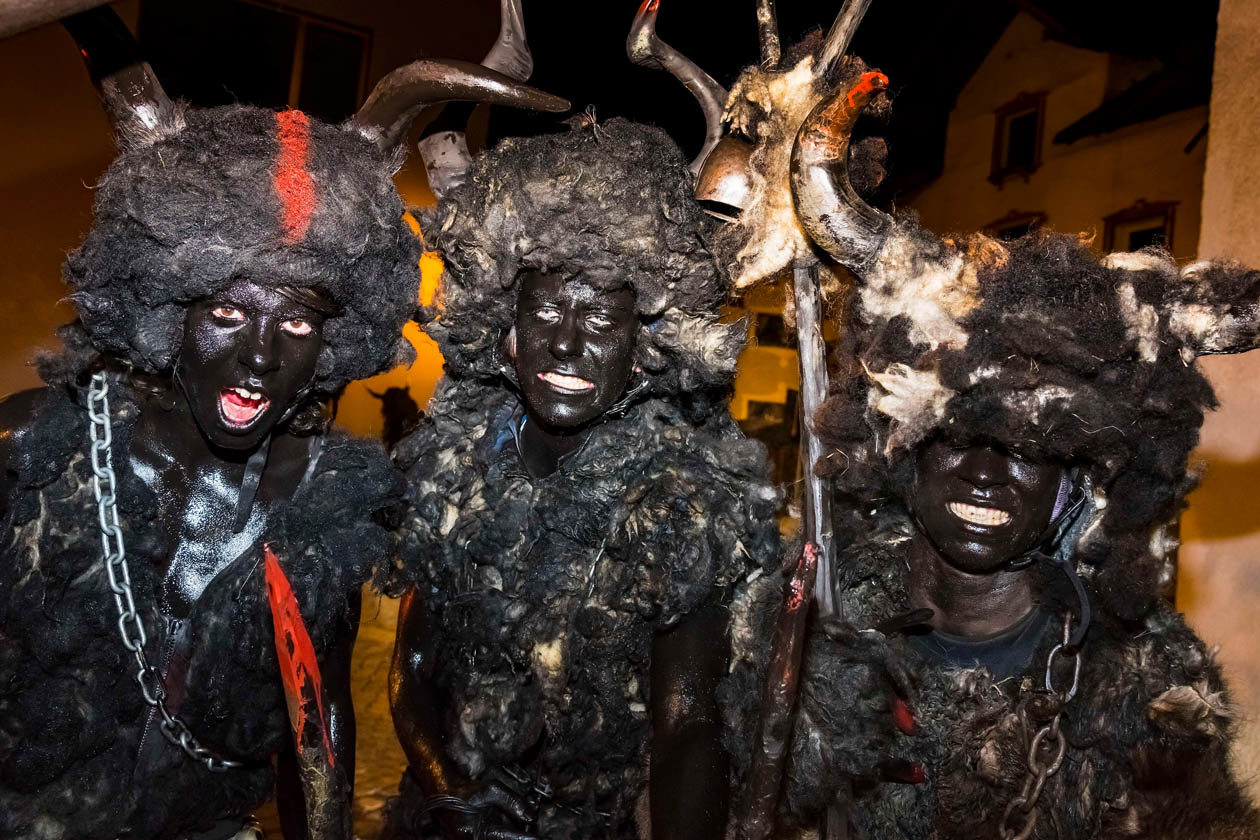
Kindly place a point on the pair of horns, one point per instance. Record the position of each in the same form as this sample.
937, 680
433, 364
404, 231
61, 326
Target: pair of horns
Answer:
140, 110
832, 213
836, 45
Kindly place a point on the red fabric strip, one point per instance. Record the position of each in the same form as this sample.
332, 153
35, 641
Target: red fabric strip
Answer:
293, 183
298, 667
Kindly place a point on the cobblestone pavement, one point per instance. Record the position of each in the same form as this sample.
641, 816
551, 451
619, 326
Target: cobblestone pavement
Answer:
379, 760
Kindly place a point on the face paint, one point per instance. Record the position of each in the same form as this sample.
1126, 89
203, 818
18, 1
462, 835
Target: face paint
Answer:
248, 353
982, 506
574, 349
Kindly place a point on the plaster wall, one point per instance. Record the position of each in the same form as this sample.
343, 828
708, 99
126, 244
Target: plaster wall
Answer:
1220, 555
1077, 184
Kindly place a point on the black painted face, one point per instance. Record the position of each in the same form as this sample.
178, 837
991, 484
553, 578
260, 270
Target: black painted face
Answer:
982, 506
574, 348
247, 355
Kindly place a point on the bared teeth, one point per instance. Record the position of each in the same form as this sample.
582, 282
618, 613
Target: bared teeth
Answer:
240, 406
245, 393
565, 382
979, 515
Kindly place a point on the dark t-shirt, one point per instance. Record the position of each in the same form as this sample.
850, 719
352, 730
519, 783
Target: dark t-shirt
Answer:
1003, 654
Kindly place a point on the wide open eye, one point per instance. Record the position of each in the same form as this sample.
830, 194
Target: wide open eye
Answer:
297, 326
227, 312
548, 314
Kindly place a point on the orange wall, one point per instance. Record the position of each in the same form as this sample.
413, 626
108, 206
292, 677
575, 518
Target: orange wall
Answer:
1220, 555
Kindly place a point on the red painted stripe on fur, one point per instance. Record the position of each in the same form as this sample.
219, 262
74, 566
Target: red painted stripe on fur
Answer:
293, 183
298, 667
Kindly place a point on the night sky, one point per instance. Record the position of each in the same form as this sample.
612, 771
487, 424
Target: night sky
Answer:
928, 49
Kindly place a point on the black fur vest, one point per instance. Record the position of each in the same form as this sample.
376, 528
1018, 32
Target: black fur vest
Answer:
1148, 732
71, 715
546, 593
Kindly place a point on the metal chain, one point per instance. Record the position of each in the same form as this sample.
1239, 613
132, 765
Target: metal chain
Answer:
1047, 748
130, 627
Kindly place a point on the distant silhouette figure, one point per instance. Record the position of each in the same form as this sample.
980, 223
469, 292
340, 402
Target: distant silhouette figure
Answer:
400, 412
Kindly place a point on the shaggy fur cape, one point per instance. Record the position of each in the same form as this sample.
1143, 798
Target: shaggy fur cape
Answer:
546, 593
71, 714
1040, 347
1148, 732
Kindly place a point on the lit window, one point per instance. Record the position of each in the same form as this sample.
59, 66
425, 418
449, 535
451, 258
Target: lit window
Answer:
1018, 126
1147, 224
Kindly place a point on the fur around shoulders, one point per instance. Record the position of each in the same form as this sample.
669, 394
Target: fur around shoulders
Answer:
546, 593
69, 733
646, 482
1148, 732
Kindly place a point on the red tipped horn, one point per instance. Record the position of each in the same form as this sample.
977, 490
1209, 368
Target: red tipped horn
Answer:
829, 209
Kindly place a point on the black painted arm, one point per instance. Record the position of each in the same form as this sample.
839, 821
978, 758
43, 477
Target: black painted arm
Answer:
690, 770
413, 700
499, 814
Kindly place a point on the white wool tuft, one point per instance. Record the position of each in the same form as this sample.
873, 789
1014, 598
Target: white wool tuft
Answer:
1136, 261
915, 400
697, 335
1198, 324
1142, 321
933, 295
1033, 403
770, 107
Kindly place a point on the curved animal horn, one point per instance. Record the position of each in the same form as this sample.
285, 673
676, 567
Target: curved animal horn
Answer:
841, 34
445, 154
828, 207
768, 30
510, 54
134, 101
647, 50
403, 93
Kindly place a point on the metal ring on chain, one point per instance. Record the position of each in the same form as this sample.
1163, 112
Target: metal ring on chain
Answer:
1062, 647
130, 627
1030, 820
1049, 736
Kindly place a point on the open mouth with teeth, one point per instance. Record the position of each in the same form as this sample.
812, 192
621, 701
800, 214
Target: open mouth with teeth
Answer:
565, 383
240, 407
979, 515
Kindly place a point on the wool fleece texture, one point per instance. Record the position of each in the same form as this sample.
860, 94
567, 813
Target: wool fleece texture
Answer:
1041, 348
195, 202
546, 593
201, 208
71, 716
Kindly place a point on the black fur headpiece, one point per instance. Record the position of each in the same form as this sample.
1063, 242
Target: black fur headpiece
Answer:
1040, 346
609, 204
242, 193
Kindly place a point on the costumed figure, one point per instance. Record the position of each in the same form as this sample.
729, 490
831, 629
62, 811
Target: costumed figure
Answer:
743, 177
1008, 441
184, 542
583, 508
1008, 434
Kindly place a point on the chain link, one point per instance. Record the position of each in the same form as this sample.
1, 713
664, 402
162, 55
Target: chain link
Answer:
130, 627
1047, 747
